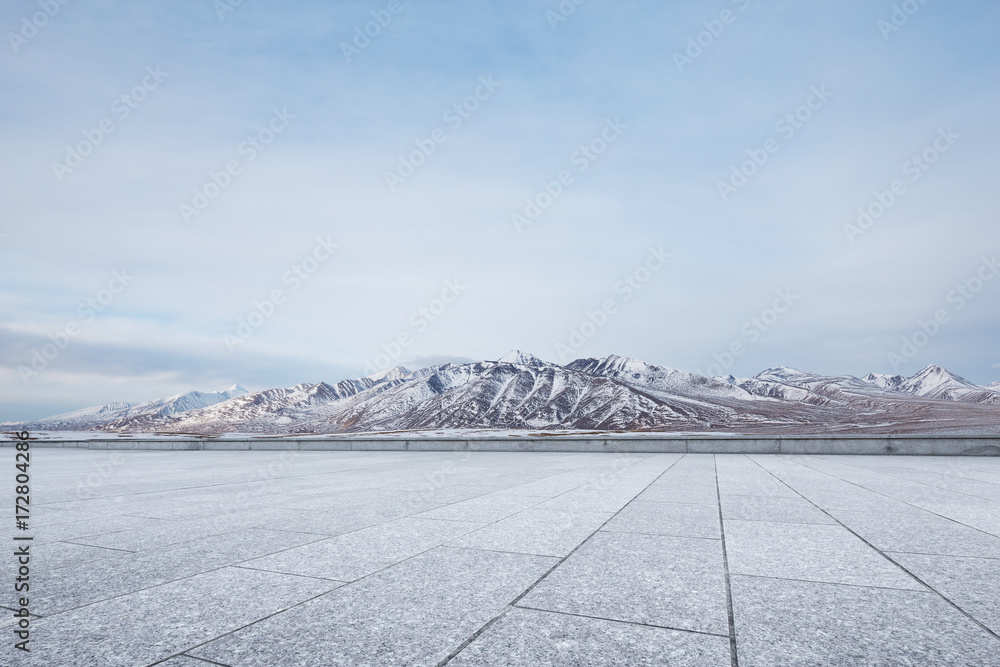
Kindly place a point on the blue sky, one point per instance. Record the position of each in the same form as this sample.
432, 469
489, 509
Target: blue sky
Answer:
443, 240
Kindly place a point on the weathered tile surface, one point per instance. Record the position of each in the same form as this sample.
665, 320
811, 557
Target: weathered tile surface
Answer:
416, 613
796, 623
674, 582
239, 558
525, 637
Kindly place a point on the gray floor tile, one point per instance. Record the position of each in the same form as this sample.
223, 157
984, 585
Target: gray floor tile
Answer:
535, 638
743, 477
556, 485
984, 517
184, 661
54, 555
7, 618
353, 555
346, 520
810, 552
483, 509
415, 613
685, 491
336, 500
95, 528
778, 509
678, 519
973, 584
950, 480
150, 625
186, 513
795, 624
593, 498
70, 587
851, 499
229, 517
535, 531
918, 531
674, 582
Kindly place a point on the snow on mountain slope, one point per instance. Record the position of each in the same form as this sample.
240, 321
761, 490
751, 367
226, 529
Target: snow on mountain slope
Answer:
519, 358
263, 410
521, 391
936, 382
95, 416
396, 373
659, 379
196, 399
505, 395
517, 391
884, 381
790, 384
931, 382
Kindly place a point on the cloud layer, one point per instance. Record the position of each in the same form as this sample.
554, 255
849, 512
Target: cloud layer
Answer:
765, 146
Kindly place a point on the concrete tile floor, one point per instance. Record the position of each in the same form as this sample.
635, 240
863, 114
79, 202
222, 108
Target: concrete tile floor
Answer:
433, 558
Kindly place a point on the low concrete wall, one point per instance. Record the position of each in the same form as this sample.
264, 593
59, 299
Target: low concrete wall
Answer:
924, 445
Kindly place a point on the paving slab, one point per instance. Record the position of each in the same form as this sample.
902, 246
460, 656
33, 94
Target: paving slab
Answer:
415, 613
7, 618
206, 555
829, 492
740, 476
345, 520
528, 637
657, 518
338, 499
982, 517
482, 509
96, 528
778, 509
919, 531
809, 552
184, 661
913, 493
973, 584
945, 476
597, 497
164, 533
683, 490
673, 582
536, 531
550, 487
54, 555
353, 555
796, 623
156, 623
69, 587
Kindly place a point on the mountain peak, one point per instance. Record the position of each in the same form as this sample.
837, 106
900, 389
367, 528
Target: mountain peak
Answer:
884, 381
933, 377
621, 363
933, 371
519, 358
395, 373
781, 372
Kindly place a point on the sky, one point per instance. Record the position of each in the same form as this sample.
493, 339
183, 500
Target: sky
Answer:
199, 193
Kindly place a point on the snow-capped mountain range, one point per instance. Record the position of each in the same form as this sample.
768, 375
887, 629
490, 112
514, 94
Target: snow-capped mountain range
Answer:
93, 417
521, 391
